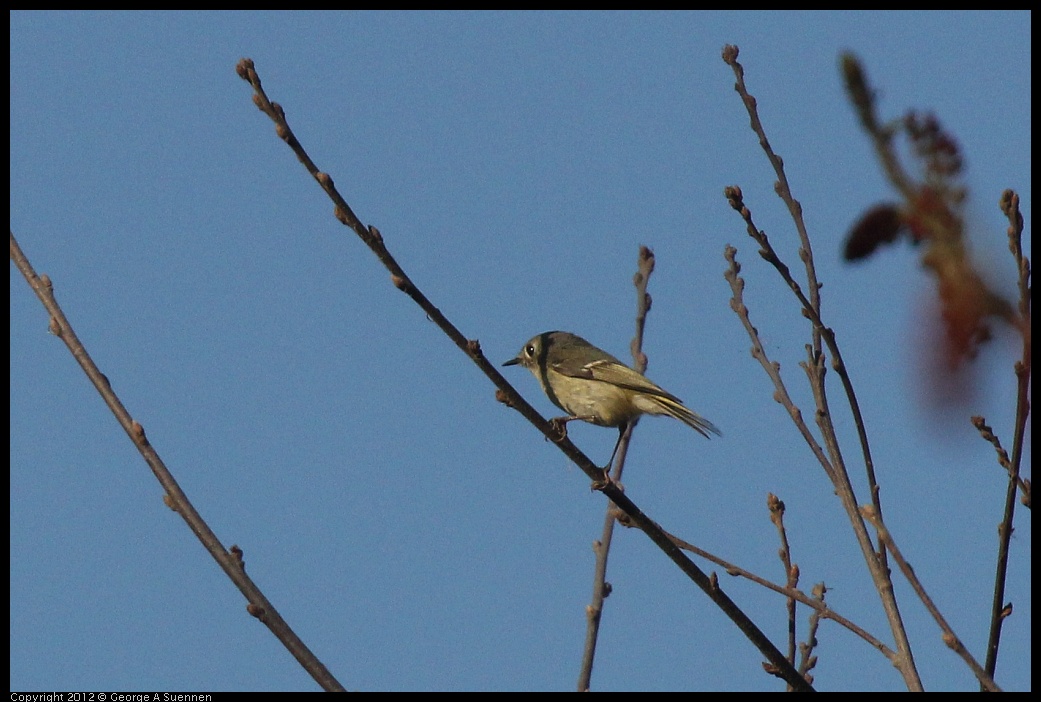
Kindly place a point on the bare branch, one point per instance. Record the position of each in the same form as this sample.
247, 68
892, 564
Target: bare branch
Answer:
949, 637
778, 665
815, 369
230, 561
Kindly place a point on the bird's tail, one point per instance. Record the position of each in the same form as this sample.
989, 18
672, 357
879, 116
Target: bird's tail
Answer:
674, 408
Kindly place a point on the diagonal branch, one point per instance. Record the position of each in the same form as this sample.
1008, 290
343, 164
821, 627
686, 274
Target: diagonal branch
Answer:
778, 664
230, 561
949, 637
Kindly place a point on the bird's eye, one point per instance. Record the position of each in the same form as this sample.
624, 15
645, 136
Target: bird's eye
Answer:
529, 349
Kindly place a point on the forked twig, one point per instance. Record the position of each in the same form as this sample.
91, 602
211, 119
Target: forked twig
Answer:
815, 368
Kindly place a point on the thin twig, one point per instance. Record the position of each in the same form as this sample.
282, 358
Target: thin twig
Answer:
808, 661
999, 609
815, 602
949, 637
602, 547
791, 573
1002, 456
230, 561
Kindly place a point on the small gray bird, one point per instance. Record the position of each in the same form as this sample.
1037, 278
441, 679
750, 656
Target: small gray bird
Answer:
592, 385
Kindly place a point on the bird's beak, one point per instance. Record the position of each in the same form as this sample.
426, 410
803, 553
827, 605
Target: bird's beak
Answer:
512, 361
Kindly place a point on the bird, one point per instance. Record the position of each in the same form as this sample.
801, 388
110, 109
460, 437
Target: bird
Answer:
593, 386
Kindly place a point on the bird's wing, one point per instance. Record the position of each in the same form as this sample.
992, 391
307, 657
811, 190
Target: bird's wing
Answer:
623, 376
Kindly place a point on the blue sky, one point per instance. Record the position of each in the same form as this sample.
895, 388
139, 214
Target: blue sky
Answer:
417, 534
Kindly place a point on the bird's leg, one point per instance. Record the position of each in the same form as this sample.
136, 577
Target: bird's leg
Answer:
560, 425
607, 479
621, 433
